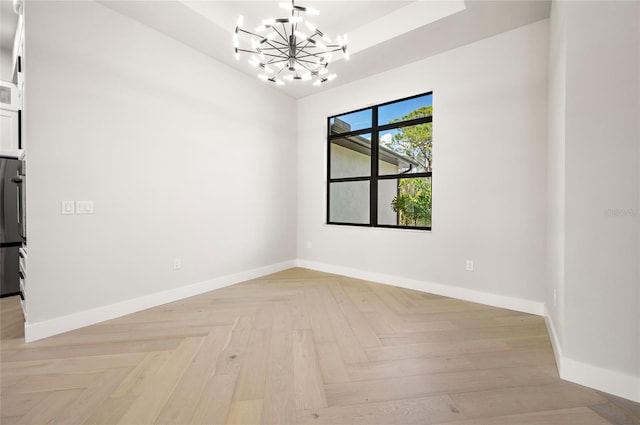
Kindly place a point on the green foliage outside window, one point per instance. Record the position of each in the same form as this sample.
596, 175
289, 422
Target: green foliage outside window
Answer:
413, 202
414, 141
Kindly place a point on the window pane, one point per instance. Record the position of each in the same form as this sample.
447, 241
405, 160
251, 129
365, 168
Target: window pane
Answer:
351, 122
405, 202
351, 156
417, 107
405, 150
349, 202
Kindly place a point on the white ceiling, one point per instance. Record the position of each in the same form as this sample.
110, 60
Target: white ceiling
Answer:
382, 34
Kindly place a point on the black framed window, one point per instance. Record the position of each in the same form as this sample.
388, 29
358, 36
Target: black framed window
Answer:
379, 167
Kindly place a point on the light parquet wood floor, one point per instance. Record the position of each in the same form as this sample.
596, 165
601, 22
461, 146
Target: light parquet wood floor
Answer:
299, 347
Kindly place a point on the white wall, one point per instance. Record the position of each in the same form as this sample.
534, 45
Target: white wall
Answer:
489, 185
554, 300
6, 65
182, 156
598, 142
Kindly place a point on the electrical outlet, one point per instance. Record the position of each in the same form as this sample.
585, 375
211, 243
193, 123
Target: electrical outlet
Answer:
308, 244
177, 264
469, 265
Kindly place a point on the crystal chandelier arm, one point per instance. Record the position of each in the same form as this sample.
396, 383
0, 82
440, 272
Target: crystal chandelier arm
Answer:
280, 34
319, 54
246, 51
271, 55
279, 72
249, 32
306, 44
272, 45
283, 50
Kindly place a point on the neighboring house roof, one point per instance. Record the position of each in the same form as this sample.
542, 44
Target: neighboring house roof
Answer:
363, 145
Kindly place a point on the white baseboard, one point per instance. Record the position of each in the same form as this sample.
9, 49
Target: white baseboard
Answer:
606, 380
554, 337
609, 381
511, 303
58, 325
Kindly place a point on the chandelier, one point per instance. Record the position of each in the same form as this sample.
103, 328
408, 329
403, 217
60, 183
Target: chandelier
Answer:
289, 48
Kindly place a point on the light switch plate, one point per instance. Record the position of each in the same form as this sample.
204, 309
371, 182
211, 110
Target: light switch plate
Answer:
67, 207
84, 207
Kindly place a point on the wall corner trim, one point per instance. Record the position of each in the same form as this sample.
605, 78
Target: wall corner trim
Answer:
609, 381
58, 325
502, 301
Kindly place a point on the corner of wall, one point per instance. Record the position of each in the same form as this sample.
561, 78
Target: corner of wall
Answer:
610, 381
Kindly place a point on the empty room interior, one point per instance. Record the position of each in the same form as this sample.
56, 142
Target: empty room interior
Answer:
320, 212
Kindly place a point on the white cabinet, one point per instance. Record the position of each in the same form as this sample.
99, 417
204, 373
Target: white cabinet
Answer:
9, 129
9, 117
9, 96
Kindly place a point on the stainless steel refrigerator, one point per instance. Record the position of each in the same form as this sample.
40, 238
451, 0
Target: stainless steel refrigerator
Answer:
10, 237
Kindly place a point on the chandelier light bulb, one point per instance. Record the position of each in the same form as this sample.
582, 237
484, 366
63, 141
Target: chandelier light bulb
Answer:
286, 53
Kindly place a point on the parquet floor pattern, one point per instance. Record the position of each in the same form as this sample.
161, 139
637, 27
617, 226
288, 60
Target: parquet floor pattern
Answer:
298, 347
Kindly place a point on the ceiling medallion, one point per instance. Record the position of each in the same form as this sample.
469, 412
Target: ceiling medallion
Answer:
289, 48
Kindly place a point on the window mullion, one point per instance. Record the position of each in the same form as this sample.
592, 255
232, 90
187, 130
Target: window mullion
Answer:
373, 194
328, 170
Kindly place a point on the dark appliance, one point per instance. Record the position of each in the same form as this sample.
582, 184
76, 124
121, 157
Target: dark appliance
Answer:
11, 216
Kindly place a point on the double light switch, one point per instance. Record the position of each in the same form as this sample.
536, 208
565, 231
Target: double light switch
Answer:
76, 207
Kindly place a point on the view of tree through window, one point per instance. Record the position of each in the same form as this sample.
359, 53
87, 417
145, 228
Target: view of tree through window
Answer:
380, 162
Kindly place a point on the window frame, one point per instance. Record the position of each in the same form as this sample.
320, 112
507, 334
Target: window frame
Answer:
374, 174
